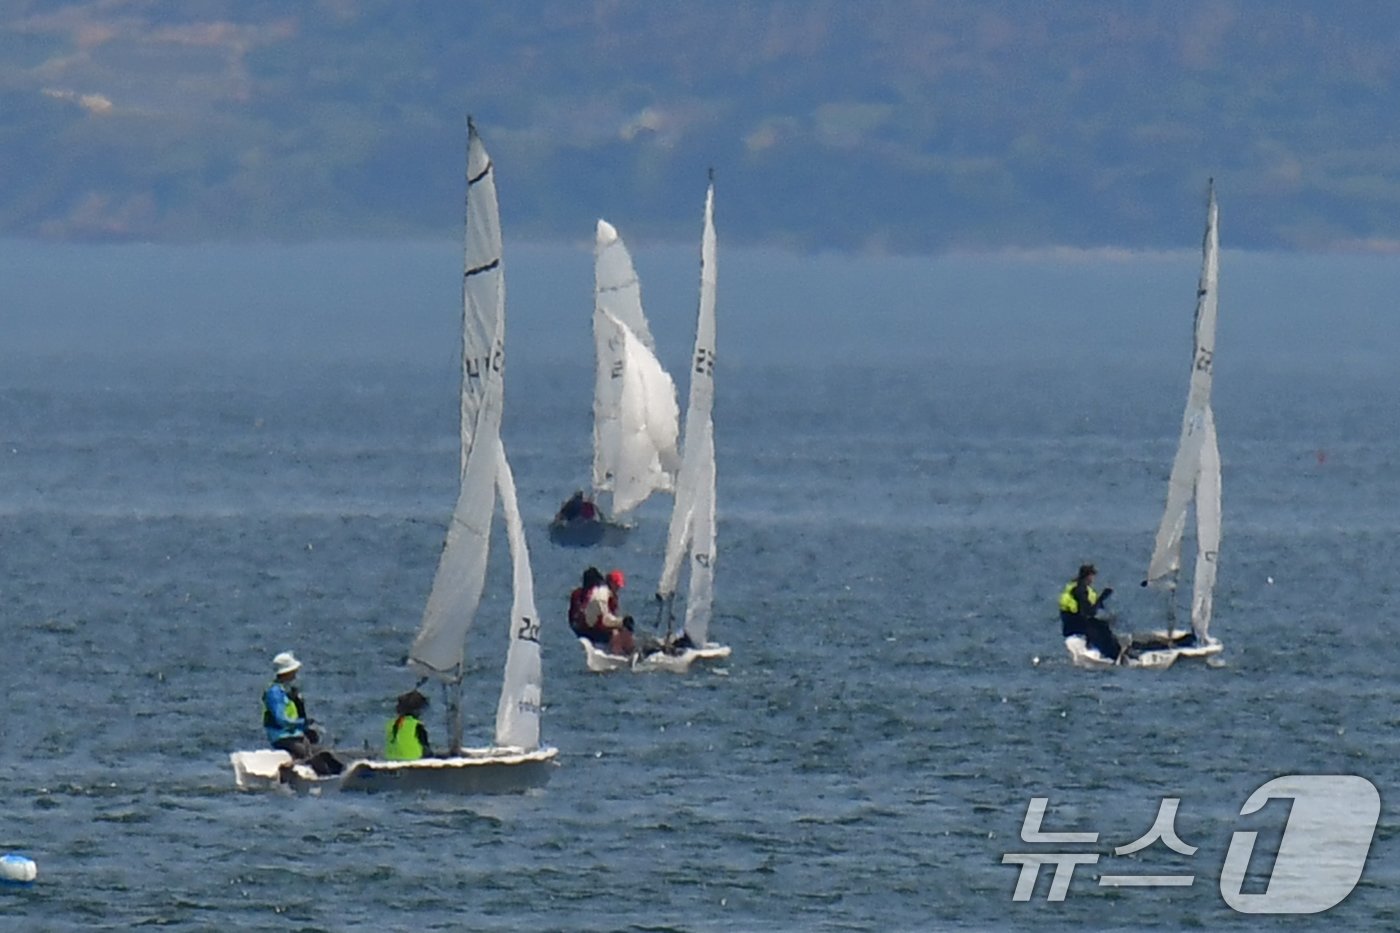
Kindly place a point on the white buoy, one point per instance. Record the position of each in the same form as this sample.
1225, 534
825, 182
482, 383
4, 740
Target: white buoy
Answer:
17, 869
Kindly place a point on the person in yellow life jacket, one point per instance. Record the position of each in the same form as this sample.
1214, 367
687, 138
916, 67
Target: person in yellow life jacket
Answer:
1079, 609
405, 737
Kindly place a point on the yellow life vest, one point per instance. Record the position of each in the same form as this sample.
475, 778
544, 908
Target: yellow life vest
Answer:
1071, 605
401, 739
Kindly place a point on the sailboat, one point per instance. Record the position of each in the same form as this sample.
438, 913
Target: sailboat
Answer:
690, 536
635, 417
1195, 477
515, 760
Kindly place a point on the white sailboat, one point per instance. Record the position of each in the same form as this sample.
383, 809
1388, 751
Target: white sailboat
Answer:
635, 417
691, 535
1195, 477
515, 760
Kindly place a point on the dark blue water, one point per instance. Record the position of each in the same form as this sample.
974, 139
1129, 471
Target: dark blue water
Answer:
892, 538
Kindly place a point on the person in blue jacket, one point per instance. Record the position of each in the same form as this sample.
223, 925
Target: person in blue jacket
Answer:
284, 717
284, 711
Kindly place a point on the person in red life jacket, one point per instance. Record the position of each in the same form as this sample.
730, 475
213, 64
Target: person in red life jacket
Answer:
578, 602
578, 508
601, 617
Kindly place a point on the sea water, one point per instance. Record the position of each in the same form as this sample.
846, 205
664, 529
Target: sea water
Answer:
890, 550
208, 457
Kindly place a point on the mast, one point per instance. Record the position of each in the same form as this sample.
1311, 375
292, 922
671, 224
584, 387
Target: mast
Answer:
438, 651
1197, 444
691, 529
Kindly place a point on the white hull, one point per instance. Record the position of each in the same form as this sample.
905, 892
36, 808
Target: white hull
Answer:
601, 662
260, 769
475, 771
1083, 656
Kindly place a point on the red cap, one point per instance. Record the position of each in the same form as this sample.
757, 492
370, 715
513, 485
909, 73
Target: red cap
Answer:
616, 580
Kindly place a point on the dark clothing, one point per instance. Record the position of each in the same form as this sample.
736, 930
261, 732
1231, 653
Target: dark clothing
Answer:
576, 508
299, 747
1085, 621
578, 620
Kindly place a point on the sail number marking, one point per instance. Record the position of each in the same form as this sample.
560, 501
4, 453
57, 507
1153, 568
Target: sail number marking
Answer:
475, 366
705, 361
529, 630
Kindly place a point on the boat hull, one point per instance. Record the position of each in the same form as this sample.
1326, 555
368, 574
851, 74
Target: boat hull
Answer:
1087, 658
583, 532
475, 771
602, 662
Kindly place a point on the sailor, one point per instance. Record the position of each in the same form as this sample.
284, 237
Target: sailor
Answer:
284, 717
578, 604
577, 507
284, 711
600, 614
1079, 607
616, 581
405, 737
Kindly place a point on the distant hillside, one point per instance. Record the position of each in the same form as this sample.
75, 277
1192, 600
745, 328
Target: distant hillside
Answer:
896, 126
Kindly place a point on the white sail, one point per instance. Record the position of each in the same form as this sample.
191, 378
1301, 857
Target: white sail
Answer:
616, 289
1195, 472
637, 438
692, 528
438, 648
518, 711
1207, 532
635, 417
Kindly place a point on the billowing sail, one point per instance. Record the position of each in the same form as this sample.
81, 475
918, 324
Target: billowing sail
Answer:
518, 712
461, 574
692, 529
616, 289
637, 437
635, 417
1195, 472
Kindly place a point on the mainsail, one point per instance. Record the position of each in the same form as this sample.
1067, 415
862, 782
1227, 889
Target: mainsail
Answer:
1195, 472
635, 417
438, 650
692, 528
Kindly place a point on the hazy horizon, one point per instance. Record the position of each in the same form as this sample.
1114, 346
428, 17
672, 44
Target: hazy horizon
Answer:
401, 301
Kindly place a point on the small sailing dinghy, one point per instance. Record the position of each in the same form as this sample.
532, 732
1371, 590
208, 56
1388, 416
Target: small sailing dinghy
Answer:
635, 417
1195, 477
516, 760
691, 533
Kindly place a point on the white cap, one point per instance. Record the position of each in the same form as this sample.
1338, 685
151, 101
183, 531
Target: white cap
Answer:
285, 663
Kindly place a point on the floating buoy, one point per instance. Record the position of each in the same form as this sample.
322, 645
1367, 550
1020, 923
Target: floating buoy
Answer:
17, 869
